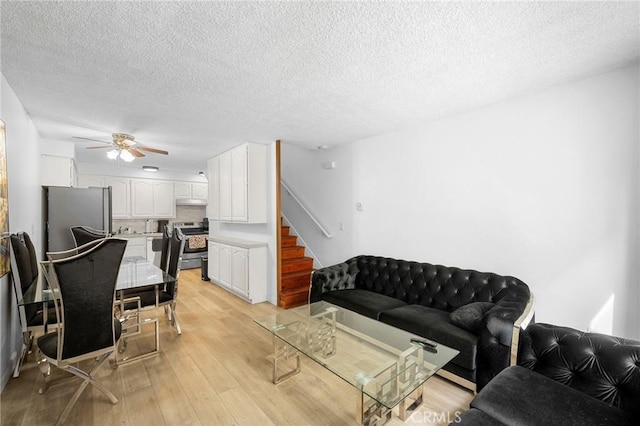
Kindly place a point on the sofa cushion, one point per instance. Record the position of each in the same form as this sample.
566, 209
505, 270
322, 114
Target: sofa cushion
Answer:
520, 396
470, 316
434, 324
475, 417
364, 302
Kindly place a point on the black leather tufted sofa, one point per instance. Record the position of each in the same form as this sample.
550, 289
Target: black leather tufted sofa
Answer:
420, 297
563, 377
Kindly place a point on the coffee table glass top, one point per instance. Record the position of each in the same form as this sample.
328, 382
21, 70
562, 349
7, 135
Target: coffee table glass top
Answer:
376, 358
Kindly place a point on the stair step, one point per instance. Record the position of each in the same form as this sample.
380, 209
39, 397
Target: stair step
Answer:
289, 240
295, 280
293, 299
297, 264
291, 252
284, 230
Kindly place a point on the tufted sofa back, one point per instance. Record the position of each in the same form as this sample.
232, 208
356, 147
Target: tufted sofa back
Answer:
435, 286
602, 366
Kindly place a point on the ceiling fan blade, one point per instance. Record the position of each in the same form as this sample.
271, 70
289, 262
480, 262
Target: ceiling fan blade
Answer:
157, 151
90, 139
98, 147
135, 152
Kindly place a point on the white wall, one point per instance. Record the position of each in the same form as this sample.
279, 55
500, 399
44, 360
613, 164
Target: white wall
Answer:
23, 158
325, 193
544, 187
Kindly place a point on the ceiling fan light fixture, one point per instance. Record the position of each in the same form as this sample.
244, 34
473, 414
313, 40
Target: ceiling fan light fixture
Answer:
126, 156
150, 168
113, 154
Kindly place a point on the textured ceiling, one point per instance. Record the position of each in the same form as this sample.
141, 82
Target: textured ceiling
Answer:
196, 78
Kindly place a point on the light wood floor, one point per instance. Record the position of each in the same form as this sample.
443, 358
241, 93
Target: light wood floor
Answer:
218, 372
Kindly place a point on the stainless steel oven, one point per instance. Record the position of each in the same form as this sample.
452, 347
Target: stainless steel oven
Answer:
195, 245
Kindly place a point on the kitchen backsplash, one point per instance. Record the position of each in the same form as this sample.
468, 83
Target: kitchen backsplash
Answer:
183, 214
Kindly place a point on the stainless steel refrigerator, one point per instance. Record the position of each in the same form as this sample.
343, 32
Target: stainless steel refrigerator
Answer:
67, 207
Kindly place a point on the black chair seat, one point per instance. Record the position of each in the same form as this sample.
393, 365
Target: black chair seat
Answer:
147, 298
48, 343
38, 318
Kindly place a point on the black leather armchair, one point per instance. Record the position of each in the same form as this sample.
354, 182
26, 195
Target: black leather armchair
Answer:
421, 297
564, 376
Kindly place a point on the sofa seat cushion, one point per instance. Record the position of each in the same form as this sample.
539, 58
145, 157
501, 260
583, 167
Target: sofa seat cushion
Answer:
434, 324
364, 302
520, 396
475, 417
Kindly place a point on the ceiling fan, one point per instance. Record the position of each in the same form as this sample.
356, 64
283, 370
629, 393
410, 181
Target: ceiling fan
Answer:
123, 146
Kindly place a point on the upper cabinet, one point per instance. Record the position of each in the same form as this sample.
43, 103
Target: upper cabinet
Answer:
238, 185
120, 196
152, 198
164, 204
213, 208
191, 190
57, 171
136, 198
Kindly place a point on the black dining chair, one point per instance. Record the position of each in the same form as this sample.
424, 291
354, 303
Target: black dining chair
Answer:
164, 253
166, 295
86, 287
57, 255
85, 234
24, 272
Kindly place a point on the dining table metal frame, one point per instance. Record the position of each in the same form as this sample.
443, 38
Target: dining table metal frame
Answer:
135, 273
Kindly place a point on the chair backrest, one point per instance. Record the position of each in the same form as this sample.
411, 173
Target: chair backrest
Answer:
176, 248
84, 234
24, 270
164, 253
87, 284
56, 255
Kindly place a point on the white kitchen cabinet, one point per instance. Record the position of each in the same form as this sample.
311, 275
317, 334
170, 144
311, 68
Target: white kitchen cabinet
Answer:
182, 189
199, 191
164, 201
214, 261
141, 198
225, 186
224, 275
152, 198
191, 190
120, 196
57, 171
239, 202
88, 181
240, 271
239, 266
238, 184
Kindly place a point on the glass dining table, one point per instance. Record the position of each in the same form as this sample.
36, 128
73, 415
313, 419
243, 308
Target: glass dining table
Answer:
135, 274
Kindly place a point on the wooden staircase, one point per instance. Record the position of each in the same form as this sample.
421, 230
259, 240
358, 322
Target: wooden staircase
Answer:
296, 271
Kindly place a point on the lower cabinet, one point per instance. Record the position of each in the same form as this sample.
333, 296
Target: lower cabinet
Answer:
240, 266
136, 247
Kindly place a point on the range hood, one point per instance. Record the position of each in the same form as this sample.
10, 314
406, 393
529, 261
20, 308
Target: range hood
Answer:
190, 202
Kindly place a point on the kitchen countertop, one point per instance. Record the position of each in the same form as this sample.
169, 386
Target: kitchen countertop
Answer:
236, 241
139, 235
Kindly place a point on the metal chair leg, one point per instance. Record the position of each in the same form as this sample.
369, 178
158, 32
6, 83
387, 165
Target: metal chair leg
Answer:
45, 369
174, 321
87, 379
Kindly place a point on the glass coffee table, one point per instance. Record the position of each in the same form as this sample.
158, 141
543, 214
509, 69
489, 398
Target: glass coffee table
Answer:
387, 366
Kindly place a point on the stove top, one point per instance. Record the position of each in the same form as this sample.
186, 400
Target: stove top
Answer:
190, 228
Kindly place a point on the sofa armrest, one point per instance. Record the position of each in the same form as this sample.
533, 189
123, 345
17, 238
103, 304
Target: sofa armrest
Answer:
330, 278
521, 324
496, 338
